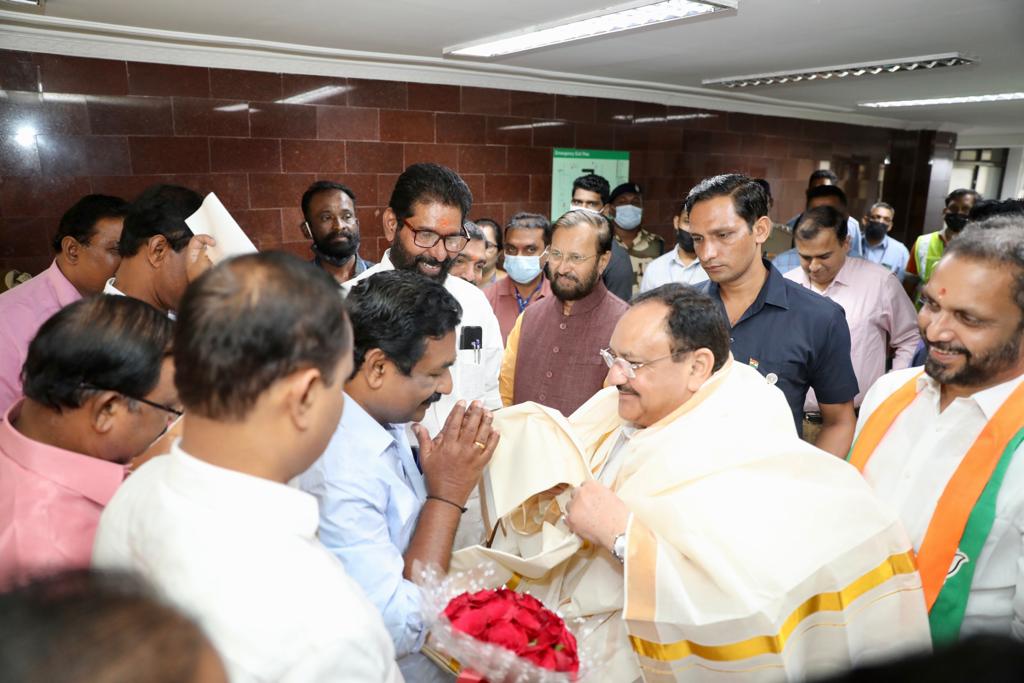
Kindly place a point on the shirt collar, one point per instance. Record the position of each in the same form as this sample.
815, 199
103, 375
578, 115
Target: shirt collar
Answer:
590, 301
883, 245
65, 291
687, 266
91, 477
772, 292
989, 400
365, 434
259, 503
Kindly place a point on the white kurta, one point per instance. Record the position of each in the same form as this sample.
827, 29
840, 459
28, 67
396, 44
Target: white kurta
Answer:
475, 375
240, 555
910, 469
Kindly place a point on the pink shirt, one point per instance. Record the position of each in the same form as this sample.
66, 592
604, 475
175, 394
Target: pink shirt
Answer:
879, 314
23, 310
50, 503
502, 297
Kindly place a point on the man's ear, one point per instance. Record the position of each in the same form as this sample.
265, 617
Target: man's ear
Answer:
158, 249
302, 390
71, 248
602, 261
703, 367
390, 222
374, 368
762, 229
104, 409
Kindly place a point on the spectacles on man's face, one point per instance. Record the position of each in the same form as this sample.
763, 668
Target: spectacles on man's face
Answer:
628, 368
173, 411
490, 247
574, 259
427, 238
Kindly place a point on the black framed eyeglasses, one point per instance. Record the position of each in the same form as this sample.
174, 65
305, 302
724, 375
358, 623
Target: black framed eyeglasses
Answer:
427, 238
173, 411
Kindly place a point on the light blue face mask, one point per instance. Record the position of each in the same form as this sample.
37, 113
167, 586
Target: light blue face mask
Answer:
522, 269
628, 217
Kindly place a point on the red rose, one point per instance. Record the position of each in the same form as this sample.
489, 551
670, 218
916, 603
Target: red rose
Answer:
507, 635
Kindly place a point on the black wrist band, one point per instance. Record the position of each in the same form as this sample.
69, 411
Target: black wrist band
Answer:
462, 510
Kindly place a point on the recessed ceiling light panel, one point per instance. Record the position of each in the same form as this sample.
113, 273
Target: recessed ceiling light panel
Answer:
602, 22
841, 71
964, 99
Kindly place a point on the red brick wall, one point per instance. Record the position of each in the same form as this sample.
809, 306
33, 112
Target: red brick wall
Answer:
116, 127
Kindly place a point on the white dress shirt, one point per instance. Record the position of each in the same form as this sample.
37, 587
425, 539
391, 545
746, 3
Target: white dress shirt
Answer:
110, 289
911, 467
475, 373
670, 268
240, 555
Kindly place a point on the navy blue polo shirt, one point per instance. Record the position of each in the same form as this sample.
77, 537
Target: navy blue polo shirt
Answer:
796, 335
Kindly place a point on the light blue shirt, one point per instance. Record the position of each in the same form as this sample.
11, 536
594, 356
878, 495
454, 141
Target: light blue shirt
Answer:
890, 253
668, 268
787, 261
370, 493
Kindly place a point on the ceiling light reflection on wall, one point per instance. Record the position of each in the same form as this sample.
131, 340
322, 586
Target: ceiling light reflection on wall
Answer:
315, 95
602, 22
662, 119
26, 136
965, 99
825, 73
539, 124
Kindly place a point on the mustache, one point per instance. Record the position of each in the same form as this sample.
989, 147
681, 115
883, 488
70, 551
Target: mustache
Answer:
431, 261
434, 398
623, 389
947, 347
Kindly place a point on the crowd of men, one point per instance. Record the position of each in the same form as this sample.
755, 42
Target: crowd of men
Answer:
703, 453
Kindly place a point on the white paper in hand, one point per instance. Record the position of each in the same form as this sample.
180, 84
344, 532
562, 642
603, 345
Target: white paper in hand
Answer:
214, 220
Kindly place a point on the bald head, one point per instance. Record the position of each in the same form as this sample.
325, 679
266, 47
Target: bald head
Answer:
251, 321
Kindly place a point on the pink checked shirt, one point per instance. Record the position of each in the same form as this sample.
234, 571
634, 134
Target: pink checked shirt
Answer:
23, 310
50, 503
879, 314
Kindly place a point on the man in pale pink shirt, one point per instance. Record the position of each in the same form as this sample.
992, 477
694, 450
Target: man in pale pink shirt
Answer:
99, 388
86, 248
879, 313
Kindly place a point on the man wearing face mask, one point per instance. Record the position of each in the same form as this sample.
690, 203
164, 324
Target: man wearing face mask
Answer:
627, 206
526, 239
329, 210
679, 265
878, 247
560, 338
929, 247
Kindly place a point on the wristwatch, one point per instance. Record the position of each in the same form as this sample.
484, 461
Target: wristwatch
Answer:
619, 548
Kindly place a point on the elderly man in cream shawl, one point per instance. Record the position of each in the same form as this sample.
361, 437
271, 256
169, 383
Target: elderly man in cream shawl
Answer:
679, 516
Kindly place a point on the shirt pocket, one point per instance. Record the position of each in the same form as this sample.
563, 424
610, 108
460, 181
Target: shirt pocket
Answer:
476, 371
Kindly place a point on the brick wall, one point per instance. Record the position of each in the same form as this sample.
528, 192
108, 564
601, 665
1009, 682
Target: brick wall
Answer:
116, 127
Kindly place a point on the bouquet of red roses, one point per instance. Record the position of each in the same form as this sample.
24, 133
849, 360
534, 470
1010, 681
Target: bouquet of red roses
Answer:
496, 635
517, 622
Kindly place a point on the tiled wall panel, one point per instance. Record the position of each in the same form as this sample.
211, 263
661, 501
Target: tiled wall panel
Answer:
70, 126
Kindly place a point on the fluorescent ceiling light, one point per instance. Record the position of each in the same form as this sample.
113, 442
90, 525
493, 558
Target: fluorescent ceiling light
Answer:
825, 73
602, 22
966, 99
26, 136
662, 119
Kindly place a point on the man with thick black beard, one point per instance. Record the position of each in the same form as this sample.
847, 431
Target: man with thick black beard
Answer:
944, 448
560, 338
424, 223
330, 221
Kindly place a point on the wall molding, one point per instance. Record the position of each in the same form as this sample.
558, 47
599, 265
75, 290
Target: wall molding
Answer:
37, 33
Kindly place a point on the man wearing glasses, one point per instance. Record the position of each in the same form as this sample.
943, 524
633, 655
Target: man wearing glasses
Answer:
678, 517
424, 223
562, 335
99, 388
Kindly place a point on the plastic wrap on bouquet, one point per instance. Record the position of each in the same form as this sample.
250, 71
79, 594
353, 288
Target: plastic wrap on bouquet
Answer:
497, 635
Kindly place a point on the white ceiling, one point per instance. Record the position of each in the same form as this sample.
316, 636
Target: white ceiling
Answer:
764, 36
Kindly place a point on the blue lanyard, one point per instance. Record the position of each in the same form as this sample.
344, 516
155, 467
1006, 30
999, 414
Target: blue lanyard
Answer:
523, 303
